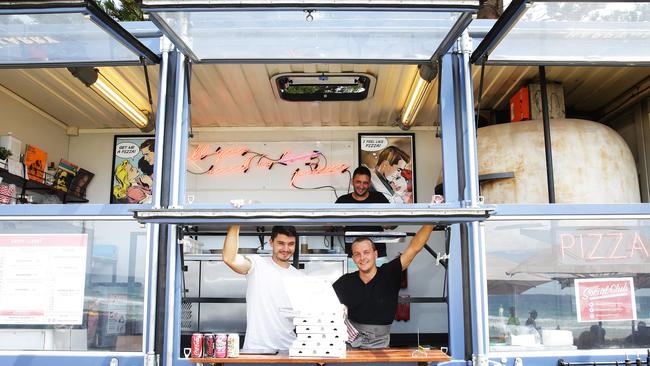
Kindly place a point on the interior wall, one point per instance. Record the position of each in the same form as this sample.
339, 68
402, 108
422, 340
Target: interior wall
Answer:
32, 126
634, 126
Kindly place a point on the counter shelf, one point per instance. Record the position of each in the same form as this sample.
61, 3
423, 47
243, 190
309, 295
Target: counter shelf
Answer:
388, 355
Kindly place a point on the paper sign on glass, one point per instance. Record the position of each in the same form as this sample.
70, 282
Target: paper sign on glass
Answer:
605, 299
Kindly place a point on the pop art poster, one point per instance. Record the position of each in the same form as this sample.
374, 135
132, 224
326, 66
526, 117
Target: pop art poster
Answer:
133, 160
391, 160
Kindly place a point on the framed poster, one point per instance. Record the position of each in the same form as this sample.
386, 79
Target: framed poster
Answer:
605, 299
132, 173
391, 160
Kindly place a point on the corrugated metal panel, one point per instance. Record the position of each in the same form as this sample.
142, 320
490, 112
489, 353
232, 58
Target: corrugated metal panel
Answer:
587, 89
59, 94
242, 94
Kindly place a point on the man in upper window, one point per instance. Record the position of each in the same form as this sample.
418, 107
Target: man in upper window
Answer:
362, 194
371, 293
266, 328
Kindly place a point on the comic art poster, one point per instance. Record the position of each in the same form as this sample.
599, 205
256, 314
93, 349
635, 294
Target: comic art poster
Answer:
64, 175
391, 160
133, 160
35, 163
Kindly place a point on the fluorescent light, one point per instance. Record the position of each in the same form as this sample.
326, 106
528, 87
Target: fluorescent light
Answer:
113, 95
417, 96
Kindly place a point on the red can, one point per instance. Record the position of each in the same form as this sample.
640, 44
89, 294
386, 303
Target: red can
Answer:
208, 340
221, 345
197, 345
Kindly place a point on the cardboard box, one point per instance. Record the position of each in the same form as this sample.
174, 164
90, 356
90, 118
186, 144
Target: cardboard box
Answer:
555, 94
520, 105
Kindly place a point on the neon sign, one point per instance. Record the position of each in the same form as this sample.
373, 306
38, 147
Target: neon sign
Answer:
241, 159
620, 246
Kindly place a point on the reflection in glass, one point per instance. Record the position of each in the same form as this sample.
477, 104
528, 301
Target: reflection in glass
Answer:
534, 267
111, 292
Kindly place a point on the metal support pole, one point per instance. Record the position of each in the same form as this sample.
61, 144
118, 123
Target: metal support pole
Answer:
461, 165
547, 136
170, 141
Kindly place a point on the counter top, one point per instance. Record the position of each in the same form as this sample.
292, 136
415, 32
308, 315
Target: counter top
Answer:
352, 356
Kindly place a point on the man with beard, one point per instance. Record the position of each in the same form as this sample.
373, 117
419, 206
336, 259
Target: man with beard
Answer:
371, 293
362, 194
266, 328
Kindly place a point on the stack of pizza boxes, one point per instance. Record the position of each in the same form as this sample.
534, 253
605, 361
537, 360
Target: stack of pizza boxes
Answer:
318, 319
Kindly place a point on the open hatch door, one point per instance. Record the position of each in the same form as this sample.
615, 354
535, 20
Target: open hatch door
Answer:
408, 31
63, 34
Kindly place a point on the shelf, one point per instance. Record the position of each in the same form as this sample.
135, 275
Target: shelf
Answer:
29, 185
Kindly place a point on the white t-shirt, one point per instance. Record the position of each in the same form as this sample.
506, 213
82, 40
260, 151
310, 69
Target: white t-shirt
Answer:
266, 328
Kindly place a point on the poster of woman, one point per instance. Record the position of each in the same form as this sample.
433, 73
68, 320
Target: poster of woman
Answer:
391, 159
132, 178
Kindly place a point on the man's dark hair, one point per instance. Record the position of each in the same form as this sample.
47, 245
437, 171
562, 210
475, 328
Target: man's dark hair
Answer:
148, 143
363, 238
145, 167
285, 230
361, 170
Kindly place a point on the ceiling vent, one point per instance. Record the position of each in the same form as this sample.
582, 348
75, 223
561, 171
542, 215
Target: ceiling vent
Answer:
323, 87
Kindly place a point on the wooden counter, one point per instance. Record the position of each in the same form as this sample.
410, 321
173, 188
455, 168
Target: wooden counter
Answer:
352, 356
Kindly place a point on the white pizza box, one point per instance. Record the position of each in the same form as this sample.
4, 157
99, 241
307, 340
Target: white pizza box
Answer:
330, 329
320, 343
322, 336
310, 296
553, 337
317, 352
319, 320
522, 340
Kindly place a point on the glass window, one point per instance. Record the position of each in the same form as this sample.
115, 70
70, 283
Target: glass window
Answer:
568, 284
318, 34
57, 38
72, 285
573, 32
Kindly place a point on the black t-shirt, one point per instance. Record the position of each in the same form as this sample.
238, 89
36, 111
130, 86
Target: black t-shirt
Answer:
373, 197
375, 302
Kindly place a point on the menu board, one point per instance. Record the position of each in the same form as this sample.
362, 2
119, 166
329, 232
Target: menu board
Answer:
603, 299
42, 278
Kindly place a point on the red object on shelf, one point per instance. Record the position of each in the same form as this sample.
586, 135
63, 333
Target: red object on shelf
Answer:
520, 105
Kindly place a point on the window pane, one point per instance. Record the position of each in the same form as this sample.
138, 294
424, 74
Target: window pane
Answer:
568, 284
72, 285
578, 32
55, 38
329, 35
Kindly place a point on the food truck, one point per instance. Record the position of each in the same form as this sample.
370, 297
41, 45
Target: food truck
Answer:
135, 145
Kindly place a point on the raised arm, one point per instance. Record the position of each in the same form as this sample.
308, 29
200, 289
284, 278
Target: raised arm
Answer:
416, 244
236, 262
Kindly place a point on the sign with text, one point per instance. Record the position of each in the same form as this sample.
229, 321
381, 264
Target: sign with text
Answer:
605, 299
610, 246
42, 278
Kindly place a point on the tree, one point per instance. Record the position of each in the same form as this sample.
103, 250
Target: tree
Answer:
125, 10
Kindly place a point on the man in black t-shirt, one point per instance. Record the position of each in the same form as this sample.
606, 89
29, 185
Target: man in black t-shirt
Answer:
362, 194
371, 293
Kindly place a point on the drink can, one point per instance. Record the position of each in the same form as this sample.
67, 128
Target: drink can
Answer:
220, 345
197, 345
208, 339
233, 345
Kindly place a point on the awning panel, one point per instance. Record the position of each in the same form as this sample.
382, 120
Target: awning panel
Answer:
326, 31
567, 33
325, 214
56, 33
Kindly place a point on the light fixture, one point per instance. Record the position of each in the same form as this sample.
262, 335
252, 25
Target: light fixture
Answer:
417, 95
94, 79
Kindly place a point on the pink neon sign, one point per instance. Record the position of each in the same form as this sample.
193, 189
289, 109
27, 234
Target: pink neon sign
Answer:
240, 159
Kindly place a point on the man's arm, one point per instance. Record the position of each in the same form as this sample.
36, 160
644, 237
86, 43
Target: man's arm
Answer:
236, 262
416, 244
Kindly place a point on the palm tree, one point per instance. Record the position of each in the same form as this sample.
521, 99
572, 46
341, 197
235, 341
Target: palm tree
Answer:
125, 10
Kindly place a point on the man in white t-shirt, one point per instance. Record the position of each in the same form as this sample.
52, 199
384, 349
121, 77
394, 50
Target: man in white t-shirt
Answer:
266, 327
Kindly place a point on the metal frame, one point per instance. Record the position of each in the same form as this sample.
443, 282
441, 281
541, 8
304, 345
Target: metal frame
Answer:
96, 15
506, 21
